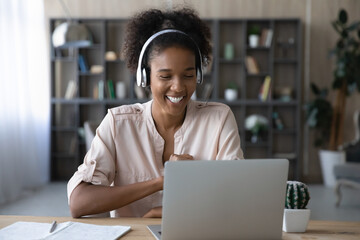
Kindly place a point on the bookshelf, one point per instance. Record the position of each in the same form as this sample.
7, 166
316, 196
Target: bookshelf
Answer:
280, 60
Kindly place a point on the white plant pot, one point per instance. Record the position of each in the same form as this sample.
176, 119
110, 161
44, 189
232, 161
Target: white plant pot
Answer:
253, 40
328, 159
231, 94
296, 220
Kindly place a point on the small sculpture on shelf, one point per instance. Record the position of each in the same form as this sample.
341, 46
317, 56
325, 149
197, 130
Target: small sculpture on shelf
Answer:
296, 215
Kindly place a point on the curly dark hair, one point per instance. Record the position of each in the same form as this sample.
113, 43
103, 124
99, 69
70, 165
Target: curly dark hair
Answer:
144, 24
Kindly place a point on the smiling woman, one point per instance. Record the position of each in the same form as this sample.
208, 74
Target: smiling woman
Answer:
167, 50
24, 98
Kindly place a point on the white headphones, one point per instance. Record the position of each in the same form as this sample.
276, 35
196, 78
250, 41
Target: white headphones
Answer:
142, 78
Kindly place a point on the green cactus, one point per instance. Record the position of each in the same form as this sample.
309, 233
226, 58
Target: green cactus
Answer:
297, 195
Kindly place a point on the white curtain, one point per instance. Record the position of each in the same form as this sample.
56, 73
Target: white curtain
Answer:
24, 97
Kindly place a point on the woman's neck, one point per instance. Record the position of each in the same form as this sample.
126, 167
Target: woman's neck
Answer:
165, 122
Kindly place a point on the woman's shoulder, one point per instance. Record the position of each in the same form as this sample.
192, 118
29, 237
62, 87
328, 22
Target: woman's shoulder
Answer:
210, 106
130, 109
214, 110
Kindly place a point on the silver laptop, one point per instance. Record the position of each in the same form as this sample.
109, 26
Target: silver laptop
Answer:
239, 199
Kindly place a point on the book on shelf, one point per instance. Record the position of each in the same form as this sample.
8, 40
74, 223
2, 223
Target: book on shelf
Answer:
269, 37
251, 65
101, 88
71, 89
83, 66
266, 37
111, 89
264, 32
96, 92
265, 89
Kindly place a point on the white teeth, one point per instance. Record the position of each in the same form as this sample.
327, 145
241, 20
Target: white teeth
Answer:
174, 99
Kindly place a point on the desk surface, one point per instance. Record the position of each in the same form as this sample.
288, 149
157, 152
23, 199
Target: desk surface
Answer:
315, 230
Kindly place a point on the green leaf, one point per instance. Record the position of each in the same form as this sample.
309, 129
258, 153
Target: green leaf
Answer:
315, 89
353, 26
344, 33
343, 16
336, 26
340, 44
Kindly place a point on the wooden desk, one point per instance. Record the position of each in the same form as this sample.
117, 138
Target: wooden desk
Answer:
315, 230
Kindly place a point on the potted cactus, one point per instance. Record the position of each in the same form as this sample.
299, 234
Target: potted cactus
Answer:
296, 215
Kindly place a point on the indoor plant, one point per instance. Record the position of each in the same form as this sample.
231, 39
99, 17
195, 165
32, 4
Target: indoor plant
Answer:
254, 35
256, 124
328, 119
296, 215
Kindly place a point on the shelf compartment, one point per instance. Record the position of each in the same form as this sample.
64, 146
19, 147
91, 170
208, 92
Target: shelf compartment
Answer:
230, 74
115, 34
63, 115
255, 152
285, 38
64, 143
287, 116
283, 143
118, 72
93, 112
64, 72
230, 32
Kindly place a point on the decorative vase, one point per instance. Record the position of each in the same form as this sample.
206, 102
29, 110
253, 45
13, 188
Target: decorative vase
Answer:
229, 51
328, 159
120, 90
231, 94
254, 138
296, 220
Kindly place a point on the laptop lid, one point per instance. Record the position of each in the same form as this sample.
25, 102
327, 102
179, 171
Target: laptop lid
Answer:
238, 199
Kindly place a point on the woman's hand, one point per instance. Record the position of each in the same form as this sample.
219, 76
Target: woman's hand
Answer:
154, 213
177, 157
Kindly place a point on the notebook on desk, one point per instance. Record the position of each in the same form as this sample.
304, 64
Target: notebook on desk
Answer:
240, 199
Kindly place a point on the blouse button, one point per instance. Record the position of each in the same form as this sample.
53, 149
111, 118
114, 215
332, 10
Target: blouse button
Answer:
92, 162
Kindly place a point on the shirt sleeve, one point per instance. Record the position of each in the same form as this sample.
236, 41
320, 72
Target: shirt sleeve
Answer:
229, 141
98, 167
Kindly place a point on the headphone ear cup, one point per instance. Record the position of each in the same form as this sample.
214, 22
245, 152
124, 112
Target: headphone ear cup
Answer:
199, 76
144, 80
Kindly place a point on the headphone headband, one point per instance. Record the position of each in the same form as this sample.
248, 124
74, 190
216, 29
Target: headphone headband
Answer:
141, 75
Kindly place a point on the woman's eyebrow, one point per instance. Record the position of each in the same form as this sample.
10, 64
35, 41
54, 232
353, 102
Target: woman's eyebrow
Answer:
169, 70
164, 70
189, 68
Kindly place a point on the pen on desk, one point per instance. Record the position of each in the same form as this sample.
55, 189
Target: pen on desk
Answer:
53, 226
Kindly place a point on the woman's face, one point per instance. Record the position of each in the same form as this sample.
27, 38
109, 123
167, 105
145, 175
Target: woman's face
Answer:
172, 80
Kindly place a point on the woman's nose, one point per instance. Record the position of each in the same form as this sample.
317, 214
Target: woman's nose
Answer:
177, 84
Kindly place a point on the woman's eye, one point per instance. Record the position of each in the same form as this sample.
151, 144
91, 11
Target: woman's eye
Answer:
165, 77
189, 76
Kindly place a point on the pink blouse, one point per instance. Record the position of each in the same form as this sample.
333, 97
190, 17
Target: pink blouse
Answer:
127, 147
